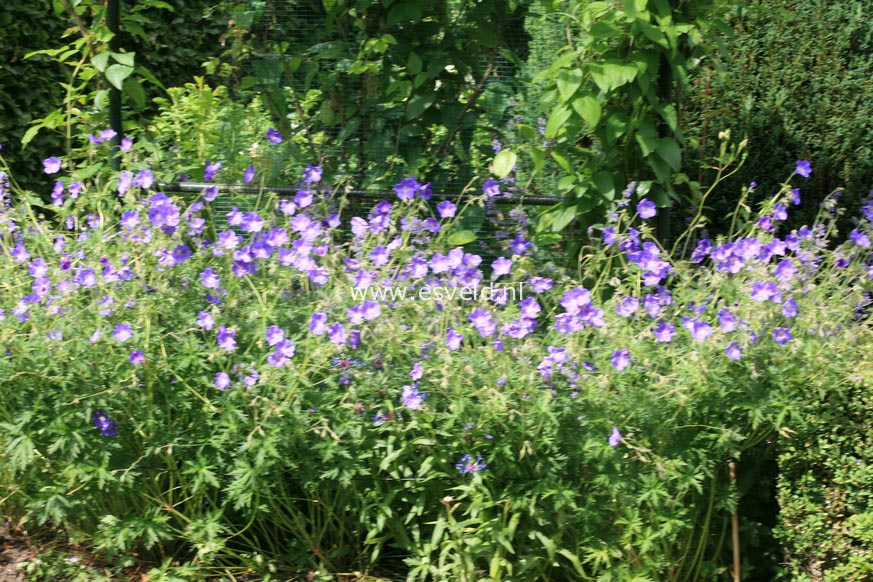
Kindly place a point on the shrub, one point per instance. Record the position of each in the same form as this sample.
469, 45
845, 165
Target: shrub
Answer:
792, 85
274, 390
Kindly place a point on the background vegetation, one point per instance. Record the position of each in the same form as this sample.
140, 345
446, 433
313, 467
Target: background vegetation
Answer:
379, 91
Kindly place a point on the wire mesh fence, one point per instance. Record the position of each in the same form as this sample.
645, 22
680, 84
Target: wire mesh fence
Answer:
378, 91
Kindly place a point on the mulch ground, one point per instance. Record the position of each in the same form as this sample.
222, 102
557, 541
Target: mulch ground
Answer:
12, 551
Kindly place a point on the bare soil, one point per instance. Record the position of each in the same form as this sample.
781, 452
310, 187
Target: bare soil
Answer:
12, 551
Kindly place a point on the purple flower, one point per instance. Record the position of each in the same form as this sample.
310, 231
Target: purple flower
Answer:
540, 284
379, 256
252, 222
453, 339
466, 465
481, 320
318, 323
446, 209
337, 334
576, 300
51, 165
303, 198
210, 193
627, 306
274, 335
274, 135
530, 308
312, 174
765, 291
615, 437
727, 320
371, 310
620, 359
733, 351
126, 144
501, 266
210, 279
803, 168
124, 181
859, 238
204, 320
491, 188
249, 174
646, 209
700, 330
781, 335
789, 308
286, 348
137, 357
122, 332
75, 190
664, 332
412, 398
144, 179
210, 171
417, 371
407, 188
226, 338
795, 196
222, 381
106, 425
652, 305
58, 194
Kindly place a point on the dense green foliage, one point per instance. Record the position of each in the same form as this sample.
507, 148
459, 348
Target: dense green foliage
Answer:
28, 89
796, 82
826, 484
167, 42
382, 89
609, 101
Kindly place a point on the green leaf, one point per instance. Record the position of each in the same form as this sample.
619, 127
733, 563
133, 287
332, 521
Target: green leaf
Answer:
461, 237
660, 167
526, 131
568, 81
116, 74
610, 76
588, 108
647, 137
605, 184
557, 119
563, 217
633, 7
413, 63
29, 135
653, 33
504, 162
99, 61
669, 151
418, 104
124, 58
614, 127
563, 162
539, 160
604, 29
134, 90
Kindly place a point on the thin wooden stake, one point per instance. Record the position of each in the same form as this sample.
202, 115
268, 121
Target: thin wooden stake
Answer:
735, 525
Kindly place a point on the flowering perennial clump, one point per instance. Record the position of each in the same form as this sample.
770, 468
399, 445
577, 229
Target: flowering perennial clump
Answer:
253, 362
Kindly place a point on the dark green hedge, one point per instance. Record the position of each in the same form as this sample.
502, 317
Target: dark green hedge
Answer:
29, 89
798, 81
179, 41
